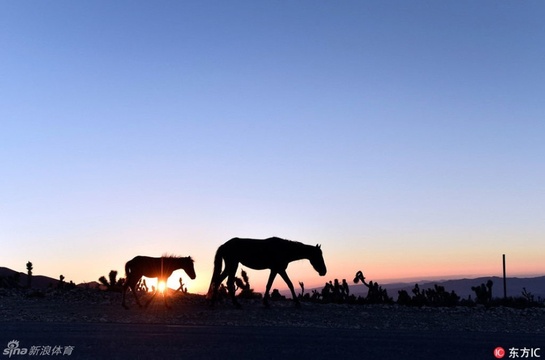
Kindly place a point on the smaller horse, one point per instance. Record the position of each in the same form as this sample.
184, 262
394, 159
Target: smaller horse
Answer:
160, 268
272, 253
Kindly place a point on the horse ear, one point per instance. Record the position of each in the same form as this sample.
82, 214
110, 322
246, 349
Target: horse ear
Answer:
318, 246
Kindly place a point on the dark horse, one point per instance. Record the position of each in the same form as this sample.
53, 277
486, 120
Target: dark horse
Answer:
160, 268
272, 253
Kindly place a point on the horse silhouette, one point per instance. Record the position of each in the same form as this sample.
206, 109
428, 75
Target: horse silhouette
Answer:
272, 253
160, 268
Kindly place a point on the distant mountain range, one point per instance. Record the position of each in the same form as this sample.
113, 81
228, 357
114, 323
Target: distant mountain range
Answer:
462, 287
38, 281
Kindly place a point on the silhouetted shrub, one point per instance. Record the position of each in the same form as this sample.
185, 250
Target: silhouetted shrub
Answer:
527, 300
436, 296
182, 288
61, 283
275, 295
246, 292
112, 284
29, 273
339, 292
376, 294
10, 282
483, 293
404, 298
141, 286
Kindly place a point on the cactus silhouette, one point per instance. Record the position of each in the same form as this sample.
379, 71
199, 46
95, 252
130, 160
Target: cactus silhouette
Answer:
483, 293
113, 284
376, 293
29, 273
61, 283
243, 284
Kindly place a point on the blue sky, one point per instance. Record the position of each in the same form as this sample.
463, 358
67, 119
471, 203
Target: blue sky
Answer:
405, 137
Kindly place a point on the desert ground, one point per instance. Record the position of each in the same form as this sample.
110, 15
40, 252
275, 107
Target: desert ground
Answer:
99, 326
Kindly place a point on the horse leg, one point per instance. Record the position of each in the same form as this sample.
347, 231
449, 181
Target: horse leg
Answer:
268, 288
125, 286
135, 297
151, 298
132, 286
290, 285
232, 271
165, 300
231, 289
214, 286
165, 294
217, 284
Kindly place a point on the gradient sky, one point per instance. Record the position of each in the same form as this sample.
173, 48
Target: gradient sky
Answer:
405, 137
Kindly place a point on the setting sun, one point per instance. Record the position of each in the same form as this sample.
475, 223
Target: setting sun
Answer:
161, 286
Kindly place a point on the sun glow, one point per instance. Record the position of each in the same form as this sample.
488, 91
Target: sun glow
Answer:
161, 286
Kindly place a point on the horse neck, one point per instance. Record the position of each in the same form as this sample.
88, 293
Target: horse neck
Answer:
299, 252
171, 264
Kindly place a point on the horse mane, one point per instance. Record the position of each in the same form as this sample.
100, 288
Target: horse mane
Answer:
172, 256
298, 243
288, 240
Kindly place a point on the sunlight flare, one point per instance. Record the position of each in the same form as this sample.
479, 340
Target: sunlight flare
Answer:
161, 286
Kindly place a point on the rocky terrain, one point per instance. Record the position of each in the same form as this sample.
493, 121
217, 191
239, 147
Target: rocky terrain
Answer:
84, 305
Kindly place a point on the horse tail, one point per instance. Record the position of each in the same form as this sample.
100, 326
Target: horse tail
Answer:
128, 268
218, 260
128, 276
130, 272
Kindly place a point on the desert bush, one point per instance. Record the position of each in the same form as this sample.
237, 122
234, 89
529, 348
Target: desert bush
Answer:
275, 295
10, 282
483, 293
112, 284
246, 291
436, 296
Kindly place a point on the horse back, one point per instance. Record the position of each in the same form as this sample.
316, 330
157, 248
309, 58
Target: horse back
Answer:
141, 266
256, 253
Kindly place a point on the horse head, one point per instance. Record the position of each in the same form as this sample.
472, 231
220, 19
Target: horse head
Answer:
317, 260
189, 267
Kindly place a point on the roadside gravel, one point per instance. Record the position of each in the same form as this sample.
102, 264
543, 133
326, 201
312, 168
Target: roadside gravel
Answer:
80, 305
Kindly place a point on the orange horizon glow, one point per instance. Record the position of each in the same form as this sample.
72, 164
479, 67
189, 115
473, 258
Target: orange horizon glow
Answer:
258, 285
385, 269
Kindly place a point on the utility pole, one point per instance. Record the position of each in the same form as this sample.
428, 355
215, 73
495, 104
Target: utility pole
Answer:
504, 280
